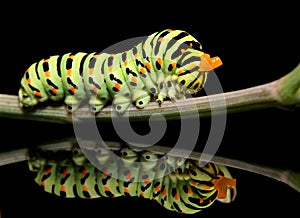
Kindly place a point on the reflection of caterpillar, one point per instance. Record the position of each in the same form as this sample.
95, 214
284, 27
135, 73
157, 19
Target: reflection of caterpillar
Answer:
177, 184
167, 64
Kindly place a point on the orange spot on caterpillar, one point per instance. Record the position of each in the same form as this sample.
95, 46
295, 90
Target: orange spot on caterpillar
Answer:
160, 39
105, 173
47, 74
72, 89
110, 68
201, 201
159, 61
194, 183
106, 188
117, 86
191, 44
48, 170
143, 194
189, 191
173, 65
142, 70
148, 65
38, 94
84, 188
146, 181
133, 79
125, 63
95, 89
182, 50
126, 190
63, 188
46, 60
54, 90
164, 192
176, 196
179, 72
206, 187
69, 72
157, 188
71, 56
43, 183
170, 31
91, 71
84, 172
95, 56
28, 81
129, 176
65, 172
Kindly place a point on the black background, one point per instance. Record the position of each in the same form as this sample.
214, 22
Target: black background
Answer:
256, 44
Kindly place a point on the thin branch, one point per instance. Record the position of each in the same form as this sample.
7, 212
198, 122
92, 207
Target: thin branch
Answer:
291, 178
236, 101
284, 92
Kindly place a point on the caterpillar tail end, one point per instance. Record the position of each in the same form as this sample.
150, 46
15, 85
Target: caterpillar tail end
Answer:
26, 101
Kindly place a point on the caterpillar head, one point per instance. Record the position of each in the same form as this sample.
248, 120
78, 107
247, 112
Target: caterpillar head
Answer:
36, 163
194, 68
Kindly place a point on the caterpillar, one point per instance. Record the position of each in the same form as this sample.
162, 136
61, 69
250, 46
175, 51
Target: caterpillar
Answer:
169, 64
177, 184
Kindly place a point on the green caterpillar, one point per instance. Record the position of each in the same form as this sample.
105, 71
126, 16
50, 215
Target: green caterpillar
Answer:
166, 65
177, 184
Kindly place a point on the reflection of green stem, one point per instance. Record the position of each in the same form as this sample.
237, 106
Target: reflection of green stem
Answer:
293, 180
288, 177
284, 92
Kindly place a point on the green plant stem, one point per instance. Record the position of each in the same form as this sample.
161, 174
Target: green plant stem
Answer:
284, 92
289, 87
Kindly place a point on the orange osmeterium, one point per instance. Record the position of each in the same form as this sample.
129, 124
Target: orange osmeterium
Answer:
221, 184
207, 63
